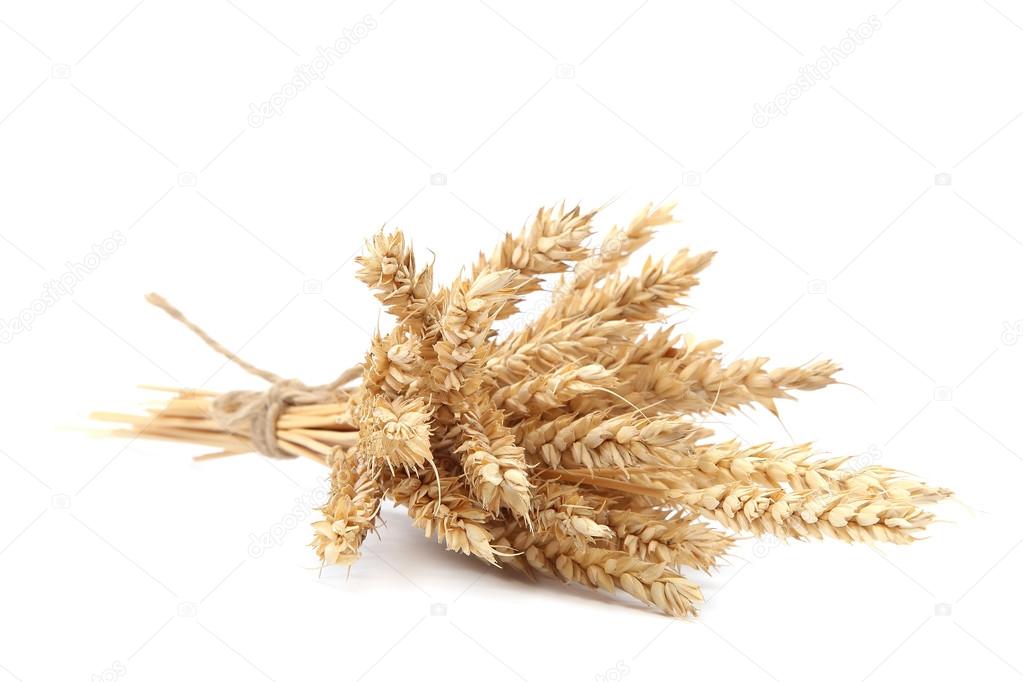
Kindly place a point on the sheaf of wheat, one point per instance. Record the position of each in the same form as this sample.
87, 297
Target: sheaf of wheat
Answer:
575, 446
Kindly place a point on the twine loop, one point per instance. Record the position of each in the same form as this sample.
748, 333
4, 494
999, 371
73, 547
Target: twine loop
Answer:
259, 410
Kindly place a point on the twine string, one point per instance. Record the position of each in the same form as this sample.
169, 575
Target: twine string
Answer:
258, 411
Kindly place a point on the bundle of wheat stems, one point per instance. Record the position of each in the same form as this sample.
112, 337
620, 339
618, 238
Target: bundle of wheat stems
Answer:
575, 446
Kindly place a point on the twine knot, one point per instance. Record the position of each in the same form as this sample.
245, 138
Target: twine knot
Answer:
258, 411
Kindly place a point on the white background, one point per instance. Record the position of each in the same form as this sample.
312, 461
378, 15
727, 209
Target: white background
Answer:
877, 222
